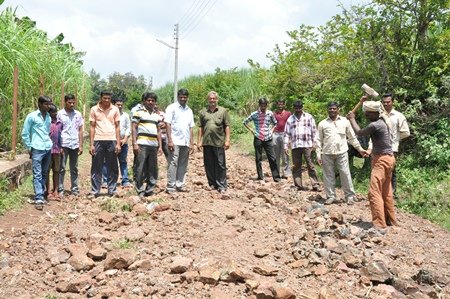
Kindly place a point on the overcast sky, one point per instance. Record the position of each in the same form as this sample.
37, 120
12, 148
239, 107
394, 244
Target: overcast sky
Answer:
121, 35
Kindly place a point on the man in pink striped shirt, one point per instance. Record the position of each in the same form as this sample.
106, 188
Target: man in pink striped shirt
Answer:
300, 134
264, 122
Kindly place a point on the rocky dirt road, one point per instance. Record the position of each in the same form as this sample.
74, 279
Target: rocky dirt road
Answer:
262, 240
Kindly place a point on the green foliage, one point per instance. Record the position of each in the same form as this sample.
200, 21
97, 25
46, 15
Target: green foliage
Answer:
424, 191
14, 199
124, 244
238, 90
113, 205
125, 86
39, 61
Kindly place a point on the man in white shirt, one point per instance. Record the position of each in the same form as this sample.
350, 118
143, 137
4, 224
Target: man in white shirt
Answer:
180, 142
334, 132
125, 132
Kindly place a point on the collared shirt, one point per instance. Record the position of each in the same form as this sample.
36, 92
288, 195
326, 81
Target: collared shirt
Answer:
213, 124
71, 122
400, 128
162, 131
125, 125
281, 120
105, 128
36, 131
264, 122
334, 136
55, 135
181, 120
147, 130
300, 132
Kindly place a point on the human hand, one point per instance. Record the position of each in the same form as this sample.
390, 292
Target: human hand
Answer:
351, 115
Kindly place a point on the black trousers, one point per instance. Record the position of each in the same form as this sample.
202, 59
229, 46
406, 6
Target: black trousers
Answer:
268, 148
215, 166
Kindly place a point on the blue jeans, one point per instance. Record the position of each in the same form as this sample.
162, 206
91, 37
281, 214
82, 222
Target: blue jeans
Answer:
40, 161
71, 155
123, 165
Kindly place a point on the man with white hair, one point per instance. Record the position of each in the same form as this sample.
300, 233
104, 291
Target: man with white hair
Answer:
383, 161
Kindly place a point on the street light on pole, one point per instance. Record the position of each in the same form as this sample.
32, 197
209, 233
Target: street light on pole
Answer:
175, 75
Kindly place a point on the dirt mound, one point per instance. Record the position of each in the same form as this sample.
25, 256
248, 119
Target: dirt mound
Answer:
260, 240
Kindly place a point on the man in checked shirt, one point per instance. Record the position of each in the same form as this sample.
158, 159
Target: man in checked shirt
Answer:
300, 134
264, 122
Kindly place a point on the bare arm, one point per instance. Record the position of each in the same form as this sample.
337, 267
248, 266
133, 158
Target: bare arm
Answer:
91, 138
227, 137
200, 138
134, 127
169, 137
80, 139
117, 126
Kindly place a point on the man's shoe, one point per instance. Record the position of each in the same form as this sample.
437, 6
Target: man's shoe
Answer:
170, 191
182, 189
277, 180
115, 195
39, 205
350, 201
127, 186
93, 195
330, 201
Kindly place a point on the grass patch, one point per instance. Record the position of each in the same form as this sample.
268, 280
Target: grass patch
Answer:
123, 244
113, 205
10, 200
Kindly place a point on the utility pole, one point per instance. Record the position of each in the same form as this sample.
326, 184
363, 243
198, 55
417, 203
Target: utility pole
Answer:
175, 75
150, 83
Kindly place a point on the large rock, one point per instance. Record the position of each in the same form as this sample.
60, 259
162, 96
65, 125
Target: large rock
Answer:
376, 271
76, 284
284, 293
81, 263
265, 270
97, 253
209, 275
135, 234
265, 291
120, 259
180, 264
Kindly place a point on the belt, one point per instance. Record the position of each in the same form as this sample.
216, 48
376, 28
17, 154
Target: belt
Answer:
379, 155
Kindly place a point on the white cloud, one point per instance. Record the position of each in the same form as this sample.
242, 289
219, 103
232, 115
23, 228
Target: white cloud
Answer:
121, 36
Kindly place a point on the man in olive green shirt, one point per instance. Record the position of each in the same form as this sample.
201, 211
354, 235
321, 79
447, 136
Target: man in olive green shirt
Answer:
214, 139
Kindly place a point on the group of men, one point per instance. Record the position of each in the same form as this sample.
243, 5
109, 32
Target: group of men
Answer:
280, 129
51, 140
154, 132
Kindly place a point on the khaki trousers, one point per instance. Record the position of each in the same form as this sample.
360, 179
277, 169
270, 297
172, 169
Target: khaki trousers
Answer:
380, 191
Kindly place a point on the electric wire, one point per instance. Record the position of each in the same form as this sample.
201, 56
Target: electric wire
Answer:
186, 34
195, 16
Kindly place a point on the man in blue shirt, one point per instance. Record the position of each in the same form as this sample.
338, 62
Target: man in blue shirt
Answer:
36, 138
